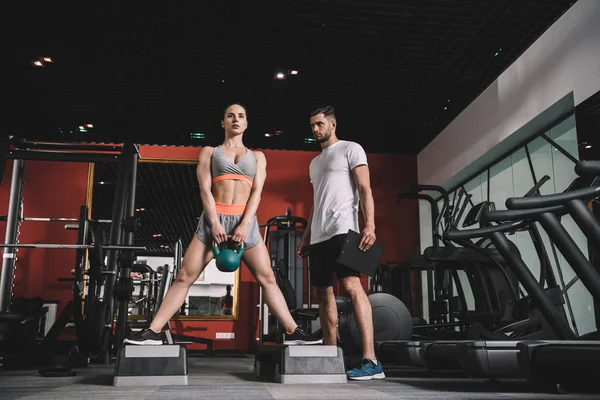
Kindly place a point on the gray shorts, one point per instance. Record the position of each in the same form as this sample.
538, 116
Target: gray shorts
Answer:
229, 222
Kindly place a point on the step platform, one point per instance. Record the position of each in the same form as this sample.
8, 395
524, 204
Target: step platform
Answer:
151, 366
300, 364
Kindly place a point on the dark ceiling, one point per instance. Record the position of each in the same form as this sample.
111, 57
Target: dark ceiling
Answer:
157, 72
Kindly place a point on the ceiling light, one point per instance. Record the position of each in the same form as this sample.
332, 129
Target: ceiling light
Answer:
157, 235
294, 72
280, 75
37, 63
47, 59
589, 146
89, 125
268, 135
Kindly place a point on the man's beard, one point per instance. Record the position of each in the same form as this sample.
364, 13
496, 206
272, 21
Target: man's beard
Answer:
325, 137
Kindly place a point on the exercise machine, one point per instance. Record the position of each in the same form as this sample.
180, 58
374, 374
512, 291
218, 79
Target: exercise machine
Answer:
294, 283
501, 359
569, 364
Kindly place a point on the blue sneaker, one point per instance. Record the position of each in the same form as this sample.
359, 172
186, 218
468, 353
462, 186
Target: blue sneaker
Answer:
366, 371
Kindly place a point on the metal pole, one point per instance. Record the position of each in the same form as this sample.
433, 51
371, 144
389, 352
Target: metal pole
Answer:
128, 241
569, 249
585, 219
82, 237
116, 235
72, 246
177, 255
12, 230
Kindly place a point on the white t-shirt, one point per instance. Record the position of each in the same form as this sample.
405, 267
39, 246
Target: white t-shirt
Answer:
336, 199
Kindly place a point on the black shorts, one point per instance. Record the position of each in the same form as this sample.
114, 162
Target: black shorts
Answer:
323, 263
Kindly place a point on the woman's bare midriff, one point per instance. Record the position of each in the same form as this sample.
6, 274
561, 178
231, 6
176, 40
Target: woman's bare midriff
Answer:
231, 192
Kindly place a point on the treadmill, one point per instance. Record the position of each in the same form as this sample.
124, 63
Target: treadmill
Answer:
453, 354
495, 359
571, 364
487, 277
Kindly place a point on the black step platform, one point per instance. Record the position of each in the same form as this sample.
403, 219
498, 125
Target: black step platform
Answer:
300, 364
151, 366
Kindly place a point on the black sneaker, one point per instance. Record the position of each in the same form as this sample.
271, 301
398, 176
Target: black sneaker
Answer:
146, 337
301, 337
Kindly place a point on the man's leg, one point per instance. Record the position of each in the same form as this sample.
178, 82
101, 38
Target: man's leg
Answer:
321, 277
370, 367
362, 312
328, 314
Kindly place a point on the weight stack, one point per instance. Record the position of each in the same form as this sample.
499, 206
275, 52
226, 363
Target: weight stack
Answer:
300, 364
151, 366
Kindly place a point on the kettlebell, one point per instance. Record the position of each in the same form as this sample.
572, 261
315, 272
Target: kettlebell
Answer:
228, 260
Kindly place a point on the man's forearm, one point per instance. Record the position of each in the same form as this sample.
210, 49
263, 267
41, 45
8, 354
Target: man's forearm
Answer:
307, 232
367, 205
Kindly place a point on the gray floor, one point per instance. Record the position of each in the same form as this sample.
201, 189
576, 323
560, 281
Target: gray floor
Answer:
222, 378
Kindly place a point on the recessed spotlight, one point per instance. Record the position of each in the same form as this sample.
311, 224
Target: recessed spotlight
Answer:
280, 75
157, 235
268, 135
37, 63
294, 72
47, 59
89, 125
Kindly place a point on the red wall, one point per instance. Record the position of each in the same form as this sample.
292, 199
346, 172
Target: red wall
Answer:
54, 189
50, 189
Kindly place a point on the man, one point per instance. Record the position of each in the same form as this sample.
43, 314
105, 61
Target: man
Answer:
340, 179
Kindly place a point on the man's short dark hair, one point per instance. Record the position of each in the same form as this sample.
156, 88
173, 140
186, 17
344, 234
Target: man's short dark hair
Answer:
327, 111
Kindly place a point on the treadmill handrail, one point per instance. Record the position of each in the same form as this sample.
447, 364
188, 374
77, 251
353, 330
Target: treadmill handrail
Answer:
518, 215
464, 234
435, 188
559, 199
588, 168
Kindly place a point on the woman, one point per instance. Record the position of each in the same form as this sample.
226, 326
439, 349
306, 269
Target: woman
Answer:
231, 179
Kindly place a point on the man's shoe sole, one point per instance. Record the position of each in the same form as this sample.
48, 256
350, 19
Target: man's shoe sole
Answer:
380, 375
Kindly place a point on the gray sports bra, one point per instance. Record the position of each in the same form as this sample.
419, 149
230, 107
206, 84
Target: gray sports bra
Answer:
223, 167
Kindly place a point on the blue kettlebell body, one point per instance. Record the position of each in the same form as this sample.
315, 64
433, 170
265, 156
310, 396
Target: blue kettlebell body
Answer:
228, 260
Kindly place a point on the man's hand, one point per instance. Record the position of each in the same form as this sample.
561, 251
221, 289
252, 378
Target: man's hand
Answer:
302, 249
240, 233
368, 238
218, 232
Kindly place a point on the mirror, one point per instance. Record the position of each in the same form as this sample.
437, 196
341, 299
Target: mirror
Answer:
168, 207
